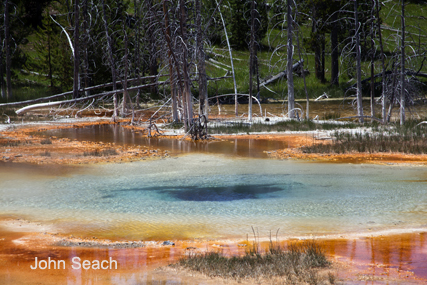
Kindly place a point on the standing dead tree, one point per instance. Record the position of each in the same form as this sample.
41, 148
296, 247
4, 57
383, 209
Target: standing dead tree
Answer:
76, 78
7, 43
111, 58
358, 63
290, 51
201, 68
402, 66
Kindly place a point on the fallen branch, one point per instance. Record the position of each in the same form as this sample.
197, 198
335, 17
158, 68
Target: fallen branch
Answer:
280, 74
50, 104
71, 92
423, 122
410, 73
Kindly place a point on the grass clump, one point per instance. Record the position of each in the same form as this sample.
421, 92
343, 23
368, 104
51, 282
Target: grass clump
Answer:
409, 138
300, 263
283, 126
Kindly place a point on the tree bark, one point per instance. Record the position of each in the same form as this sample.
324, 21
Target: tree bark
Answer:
251, 59
125, 71
85, 48
236, 104
383, 82
8, 51
334, 52
50, 104
153, 66
188, 104
291, 100
358, 64
372, 62
110, 59
2, 83
137, 52
171, 73
203, 83
76, 79
402, 67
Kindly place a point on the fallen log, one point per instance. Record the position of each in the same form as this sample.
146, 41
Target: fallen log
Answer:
280, 74
410, 73
57, 103
44, 99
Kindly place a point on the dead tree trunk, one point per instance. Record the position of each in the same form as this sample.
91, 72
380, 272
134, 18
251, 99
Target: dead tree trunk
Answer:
291, 100
110, 59
334, 51
125, 72
307, 111
171, 62
372, 62
203, 83
188, 105
152, 48
76, 79
358, 64
8, 51
383, 81
236, 104
251, 59
137, 52
2, 83
85, 47
402, 67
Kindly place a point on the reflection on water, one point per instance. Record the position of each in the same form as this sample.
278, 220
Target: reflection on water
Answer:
120, 136
377, 255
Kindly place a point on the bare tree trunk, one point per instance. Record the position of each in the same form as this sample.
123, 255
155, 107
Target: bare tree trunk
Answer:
383, 101
372, 64
137, 52
8, 51
188, 105
203, 83
126, 68
85, 48
251, 59
2, 83
358, 64
402, 68
49, 55
153, 66
291, 101
307, 111
334, 53
111, 59
171, 75
236, 104
393, 88
76, 79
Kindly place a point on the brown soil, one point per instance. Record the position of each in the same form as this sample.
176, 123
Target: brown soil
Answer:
20, 144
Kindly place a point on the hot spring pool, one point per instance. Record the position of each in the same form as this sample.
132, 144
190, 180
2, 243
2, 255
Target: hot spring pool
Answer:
217, 196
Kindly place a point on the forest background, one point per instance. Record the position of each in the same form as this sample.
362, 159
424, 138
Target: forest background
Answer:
186, 52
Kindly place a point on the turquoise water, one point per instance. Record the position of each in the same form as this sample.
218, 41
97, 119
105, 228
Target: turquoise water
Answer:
216, 196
